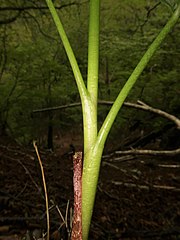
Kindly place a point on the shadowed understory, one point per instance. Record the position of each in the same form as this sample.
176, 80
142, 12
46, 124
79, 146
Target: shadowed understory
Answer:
136, 199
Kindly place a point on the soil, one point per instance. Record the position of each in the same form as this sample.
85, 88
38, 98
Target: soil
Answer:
137, 198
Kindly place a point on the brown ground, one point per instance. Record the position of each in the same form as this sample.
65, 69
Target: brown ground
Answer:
136, 199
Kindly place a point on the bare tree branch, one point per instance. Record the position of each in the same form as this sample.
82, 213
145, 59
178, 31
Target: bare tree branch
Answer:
145, 187
10, 20
139, 105
24, 8
164, 114
20, 9
3, 57
173, 152
70, 105
40, 28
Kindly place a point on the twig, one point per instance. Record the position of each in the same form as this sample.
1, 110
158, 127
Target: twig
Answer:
145, 186
152, 234
27, 171
59, 211
64, 220
45, 189
140, 105
164, 114
71, 218
66, 215
110, 165
143, 106
150, 152
169, 166
113, 156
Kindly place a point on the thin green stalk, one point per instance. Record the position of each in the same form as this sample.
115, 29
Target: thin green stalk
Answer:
93, 50
78, 76
90, 121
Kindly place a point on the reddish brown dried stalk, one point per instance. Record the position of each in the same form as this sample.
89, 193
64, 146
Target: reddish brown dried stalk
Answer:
77, 181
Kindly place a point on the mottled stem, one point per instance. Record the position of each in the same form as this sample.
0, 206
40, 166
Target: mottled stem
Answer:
77, 182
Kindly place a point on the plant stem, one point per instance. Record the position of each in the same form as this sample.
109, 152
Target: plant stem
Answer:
89, 186
90, 119
91, 172
90, 115
93, 50
77, 74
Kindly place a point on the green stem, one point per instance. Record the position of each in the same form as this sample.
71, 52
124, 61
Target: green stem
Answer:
93, 50
90, 117
90, 121
91, 172
79, 80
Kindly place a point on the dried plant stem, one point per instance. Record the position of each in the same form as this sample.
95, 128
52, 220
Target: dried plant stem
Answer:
77, 182
45, 188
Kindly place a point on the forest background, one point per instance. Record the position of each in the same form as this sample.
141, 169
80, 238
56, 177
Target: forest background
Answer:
35, 73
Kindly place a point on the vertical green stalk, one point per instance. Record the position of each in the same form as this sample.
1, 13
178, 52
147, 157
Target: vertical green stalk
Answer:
90, 121
77, 74
90, 117
93, 50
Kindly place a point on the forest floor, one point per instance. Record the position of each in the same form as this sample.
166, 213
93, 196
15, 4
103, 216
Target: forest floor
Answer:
137, 198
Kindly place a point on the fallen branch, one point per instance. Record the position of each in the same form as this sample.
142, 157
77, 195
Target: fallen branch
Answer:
70, 105
145, 186
111, 158
131, 152
35, 7
143, 106
149, 152
164, 114
161, 234
139, 105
